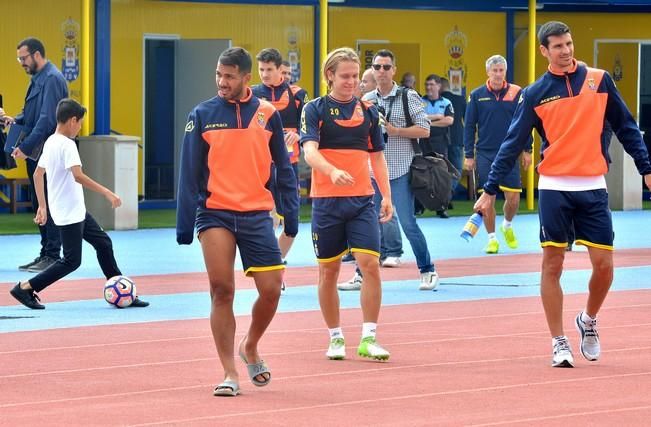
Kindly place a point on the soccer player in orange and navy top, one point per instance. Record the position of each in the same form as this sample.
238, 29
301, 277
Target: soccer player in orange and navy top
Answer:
339, 133
289, 101
229, 144
569, 106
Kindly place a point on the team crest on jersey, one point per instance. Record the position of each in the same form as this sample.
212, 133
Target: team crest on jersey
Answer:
591, 84
260, 118
189, 127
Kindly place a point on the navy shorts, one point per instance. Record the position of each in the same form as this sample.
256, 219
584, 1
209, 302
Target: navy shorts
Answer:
586, 210
254, 236
340, 224
510, 183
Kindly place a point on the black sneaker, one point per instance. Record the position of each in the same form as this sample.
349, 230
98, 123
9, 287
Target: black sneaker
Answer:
29, 264
42, 264
139, 303
442, 214
26, 297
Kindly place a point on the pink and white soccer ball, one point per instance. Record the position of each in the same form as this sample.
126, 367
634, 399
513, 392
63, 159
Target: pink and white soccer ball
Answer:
120, 291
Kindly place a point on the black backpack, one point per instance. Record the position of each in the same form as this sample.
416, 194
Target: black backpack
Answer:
430, 177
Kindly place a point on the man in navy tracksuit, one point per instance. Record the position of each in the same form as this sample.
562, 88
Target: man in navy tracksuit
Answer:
229, 144
568, 106
288, 101
488, 116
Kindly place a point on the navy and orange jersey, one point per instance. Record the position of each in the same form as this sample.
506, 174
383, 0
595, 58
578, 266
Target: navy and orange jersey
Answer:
289, 100
346, 132
489, 115
226, 160
569, 110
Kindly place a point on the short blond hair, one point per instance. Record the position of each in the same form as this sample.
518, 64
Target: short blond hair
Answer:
342, 54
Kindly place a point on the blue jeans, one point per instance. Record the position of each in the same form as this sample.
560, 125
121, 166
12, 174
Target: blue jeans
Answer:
403, 203
390, 237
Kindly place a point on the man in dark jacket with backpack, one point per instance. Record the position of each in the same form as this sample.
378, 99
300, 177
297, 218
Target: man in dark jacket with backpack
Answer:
47, 87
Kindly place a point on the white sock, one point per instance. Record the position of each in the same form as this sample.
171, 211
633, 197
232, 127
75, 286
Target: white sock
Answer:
585, 317
368, 329
491, 236
506, 224
336, 333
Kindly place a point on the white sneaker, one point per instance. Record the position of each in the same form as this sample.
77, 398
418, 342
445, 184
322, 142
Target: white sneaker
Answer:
391, 262
336, 349
354, 284
590, 347
429, 281
562, 353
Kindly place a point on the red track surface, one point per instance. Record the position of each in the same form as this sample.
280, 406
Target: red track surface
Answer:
462, 363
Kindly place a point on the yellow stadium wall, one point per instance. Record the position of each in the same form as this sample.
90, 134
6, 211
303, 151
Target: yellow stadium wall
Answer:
586, 28
253, 27
485, 35
626, 55
44, 21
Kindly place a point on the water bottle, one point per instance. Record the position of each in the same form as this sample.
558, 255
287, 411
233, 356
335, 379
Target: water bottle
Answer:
472, 226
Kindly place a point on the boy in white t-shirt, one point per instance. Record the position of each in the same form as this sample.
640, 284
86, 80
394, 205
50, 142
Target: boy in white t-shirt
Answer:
60, 161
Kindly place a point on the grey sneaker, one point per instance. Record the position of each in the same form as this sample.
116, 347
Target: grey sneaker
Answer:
562, 353
429, 281
590, 347
391, 262
41, 265
354, 284
29, 264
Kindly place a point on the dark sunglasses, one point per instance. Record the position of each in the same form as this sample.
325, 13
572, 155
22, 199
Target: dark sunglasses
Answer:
386, 67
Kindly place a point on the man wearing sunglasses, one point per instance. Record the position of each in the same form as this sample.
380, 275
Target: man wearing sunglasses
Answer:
400, 153
46, 89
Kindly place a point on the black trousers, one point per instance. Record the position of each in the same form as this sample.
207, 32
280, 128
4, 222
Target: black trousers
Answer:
71, 237
50, 239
